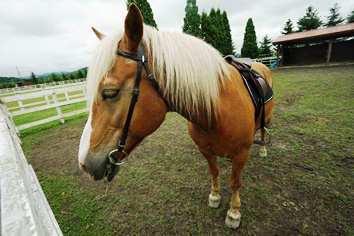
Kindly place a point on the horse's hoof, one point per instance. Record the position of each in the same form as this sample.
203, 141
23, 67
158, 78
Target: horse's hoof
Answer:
263, 152
214, 200
233, 219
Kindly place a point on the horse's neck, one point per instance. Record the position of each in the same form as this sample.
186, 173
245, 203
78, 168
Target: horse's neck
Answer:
198, 119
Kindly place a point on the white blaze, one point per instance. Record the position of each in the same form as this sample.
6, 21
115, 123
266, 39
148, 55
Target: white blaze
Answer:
85, 140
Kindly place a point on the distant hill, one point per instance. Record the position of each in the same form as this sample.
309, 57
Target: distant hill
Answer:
9, 80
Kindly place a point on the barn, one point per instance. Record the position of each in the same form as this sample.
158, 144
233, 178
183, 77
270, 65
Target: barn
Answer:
332, 44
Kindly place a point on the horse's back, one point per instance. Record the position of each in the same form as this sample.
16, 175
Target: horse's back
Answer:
264, 71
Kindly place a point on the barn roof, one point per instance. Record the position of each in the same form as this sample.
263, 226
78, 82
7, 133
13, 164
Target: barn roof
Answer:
318, 34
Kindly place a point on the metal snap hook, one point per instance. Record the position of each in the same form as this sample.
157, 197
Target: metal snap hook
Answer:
113, 161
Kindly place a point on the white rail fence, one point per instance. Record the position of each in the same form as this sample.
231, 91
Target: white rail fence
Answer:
41, 86
24, 209
268, 61
25, 103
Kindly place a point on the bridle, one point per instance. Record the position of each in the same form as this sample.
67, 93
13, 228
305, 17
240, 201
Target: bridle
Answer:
142, 62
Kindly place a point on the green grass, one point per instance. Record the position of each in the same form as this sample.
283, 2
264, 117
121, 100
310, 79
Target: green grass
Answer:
303, 187
77, 215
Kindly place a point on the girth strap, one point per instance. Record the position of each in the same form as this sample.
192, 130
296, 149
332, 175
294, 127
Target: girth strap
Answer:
255, 78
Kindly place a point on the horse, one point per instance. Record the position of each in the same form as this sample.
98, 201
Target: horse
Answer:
137, 74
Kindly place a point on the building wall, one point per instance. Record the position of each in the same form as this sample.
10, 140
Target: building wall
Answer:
312, 54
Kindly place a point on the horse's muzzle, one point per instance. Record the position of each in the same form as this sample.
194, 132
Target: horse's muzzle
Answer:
99, 168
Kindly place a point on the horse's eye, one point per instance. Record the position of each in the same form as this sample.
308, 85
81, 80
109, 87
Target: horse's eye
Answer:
109, 93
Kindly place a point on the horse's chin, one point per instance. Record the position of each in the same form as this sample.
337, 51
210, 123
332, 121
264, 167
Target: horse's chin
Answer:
111, 172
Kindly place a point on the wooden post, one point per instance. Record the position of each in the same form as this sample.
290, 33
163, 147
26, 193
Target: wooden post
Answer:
278, 50
19, 101
67, 96
58, 108
47, 99
329, 51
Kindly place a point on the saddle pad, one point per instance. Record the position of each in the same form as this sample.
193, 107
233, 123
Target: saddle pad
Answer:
256, 97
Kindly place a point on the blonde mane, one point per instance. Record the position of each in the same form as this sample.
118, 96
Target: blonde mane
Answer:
189, 71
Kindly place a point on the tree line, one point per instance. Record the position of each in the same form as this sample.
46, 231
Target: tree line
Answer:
10, 82
214, 28
311, 20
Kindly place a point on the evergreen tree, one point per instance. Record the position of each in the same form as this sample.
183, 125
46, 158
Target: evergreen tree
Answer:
145, 10
288, 27
310, 21
71, 76
350, 18
192, 19
335, 17
205, 27
216, 31
33, 78
79, 74
64, 77
227, 42
249, 46
53, 77
265, 48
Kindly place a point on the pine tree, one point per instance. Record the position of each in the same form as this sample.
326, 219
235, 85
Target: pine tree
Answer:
205, 27
53, 77
192, 19
228, 45
79, 74
216, 31
64, 77
310, 21
265, 48
350, 17
288, 27
145, 10
33, 78
71, 76
249, 46
335, 17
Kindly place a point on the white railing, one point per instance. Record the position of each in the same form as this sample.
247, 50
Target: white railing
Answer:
27, 88
268, 61
46, 99
24, 209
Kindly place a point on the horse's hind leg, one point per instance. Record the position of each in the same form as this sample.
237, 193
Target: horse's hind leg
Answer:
233, 217
262, 149
214, 196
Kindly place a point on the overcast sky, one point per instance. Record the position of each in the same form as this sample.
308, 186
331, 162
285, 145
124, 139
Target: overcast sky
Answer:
43, 36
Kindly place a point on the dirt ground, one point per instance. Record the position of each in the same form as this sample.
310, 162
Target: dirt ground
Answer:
284, 194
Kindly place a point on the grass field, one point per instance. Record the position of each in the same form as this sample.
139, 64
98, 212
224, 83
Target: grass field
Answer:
303, 187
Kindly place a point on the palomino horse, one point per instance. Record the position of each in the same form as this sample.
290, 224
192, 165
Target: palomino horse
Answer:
188, 76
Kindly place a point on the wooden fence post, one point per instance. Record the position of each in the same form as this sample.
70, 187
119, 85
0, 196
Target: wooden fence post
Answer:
67, 96
19, 101
61, 118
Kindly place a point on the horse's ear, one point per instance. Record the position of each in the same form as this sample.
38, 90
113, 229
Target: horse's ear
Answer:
99, 35
133, 28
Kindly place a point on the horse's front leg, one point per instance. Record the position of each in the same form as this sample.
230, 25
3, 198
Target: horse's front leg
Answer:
233, 217
214, 196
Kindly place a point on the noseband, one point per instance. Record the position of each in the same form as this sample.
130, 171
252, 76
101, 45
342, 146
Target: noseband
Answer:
142, 62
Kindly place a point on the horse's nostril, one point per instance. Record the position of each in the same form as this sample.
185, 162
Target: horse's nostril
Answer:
83, 168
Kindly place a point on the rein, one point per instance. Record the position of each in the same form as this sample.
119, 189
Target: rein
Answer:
142, 62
